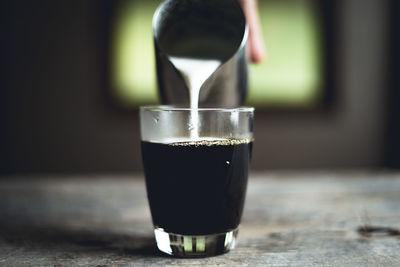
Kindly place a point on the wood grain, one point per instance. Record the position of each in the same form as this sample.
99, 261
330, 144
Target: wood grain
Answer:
290, 219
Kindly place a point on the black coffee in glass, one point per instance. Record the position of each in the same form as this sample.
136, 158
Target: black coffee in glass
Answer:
196, 163
197, 187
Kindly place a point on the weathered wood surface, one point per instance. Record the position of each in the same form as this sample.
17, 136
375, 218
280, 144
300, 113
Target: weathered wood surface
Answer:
289, 220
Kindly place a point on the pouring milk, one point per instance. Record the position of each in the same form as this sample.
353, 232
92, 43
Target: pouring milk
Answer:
195, 72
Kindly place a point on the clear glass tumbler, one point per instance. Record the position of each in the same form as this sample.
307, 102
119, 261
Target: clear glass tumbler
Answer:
196, 165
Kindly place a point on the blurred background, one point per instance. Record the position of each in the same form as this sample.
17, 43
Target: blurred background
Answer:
75, 73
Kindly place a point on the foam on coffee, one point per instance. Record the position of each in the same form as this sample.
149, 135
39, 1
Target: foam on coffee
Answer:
211, 141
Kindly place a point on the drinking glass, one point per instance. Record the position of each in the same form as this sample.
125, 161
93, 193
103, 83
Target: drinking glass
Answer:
196, 165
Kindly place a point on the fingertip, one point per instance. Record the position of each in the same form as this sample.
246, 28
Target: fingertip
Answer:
257, 50
257, 56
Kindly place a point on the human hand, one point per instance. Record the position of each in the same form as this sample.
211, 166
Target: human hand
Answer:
256, 43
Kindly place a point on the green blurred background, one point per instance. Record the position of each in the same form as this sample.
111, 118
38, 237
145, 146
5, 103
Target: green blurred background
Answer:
291, 77
74, 73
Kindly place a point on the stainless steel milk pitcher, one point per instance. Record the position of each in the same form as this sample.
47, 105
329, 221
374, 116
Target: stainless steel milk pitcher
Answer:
202, 29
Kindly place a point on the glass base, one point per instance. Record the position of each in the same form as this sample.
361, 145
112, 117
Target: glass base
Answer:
195, 245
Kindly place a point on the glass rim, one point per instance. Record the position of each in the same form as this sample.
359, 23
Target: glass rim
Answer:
155, 108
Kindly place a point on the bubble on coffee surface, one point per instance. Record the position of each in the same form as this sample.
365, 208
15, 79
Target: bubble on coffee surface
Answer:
213, 142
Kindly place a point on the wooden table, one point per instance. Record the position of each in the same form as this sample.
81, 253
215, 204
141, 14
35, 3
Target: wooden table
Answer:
290, 219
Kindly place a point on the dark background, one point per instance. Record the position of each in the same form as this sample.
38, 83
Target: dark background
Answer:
56, 114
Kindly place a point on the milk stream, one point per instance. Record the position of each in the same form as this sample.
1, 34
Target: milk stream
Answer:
195, 72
